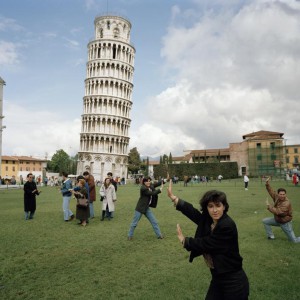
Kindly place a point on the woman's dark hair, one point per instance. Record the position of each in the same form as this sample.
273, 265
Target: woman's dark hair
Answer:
213, 196
105, 184
145, 179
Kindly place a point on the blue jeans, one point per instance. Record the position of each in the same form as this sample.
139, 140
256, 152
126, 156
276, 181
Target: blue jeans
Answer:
91, 206
287, 228
66, 204
150, 216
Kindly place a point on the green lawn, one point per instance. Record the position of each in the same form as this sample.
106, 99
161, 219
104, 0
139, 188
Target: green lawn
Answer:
47, 258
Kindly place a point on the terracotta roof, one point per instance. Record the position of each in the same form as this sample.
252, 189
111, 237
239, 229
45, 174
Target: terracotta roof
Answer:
263, 134
27, 158
177, 158
5, 157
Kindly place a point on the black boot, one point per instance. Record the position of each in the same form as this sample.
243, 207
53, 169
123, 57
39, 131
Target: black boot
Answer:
103, 215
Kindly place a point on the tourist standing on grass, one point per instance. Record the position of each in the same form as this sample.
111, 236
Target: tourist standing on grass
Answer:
246, 182
66, 194
295, 179
30, 192
282, 211
115, 184
142, 208
92, 191
109, 197
82, 210
216, 238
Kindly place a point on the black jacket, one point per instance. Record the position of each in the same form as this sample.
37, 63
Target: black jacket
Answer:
145, 196
221, 243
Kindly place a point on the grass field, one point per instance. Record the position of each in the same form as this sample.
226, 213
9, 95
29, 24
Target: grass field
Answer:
47, 258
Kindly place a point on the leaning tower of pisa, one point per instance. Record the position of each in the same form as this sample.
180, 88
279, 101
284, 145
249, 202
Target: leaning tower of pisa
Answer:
104, 136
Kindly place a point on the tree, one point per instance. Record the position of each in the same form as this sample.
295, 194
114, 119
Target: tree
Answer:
170, 158
165, 159
60, 162
134, 161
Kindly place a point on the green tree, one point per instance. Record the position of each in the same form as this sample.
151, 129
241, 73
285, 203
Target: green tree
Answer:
165, 159
170, 158
60, 162
134, 161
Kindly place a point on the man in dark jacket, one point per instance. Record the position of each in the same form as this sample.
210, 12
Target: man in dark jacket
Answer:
92, 191
142, 208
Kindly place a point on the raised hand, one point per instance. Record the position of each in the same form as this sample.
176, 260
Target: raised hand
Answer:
170, 193
179, 234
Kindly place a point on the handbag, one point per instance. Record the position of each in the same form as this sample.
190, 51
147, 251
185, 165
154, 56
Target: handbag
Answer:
82, 202
154, 200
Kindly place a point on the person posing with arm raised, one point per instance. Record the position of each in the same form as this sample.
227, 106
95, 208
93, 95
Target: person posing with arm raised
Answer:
216, 239
142, 208
282, 211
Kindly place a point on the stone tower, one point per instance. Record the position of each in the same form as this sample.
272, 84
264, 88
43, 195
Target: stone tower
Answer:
104, 136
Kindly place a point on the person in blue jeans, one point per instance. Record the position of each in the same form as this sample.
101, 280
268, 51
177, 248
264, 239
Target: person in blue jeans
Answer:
67, 194
282, 211
142, 208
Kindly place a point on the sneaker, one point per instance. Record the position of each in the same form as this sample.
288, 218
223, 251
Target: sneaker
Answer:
130, 238
271, 238
72, 218
160, 237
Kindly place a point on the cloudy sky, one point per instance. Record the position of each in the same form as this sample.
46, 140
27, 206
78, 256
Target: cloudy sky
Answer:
207, 72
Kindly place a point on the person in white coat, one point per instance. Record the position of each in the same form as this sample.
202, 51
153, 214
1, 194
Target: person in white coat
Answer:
108, 198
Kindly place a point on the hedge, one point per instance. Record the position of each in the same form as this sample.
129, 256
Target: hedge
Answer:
226, 169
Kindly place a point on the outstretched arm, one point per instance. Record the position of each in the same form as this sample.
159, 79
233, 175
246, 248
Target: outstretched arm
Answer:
269, 189
171, 195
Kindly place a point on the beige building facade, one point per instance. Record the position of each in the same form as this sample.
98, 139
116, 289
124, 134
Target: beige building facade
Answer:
20, 166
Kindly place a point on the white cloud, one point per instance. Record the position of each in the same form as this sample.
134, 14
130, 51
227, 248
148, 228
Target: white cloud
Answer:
7, 24
154, 141
33, 132
235, 72
8, 53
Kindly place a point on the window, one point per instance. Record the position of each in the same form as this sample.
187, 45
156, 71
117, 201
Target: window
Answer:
258, 145
6, 161
296, 160
287, 160
286, 151
6, 168
259, 157
13, 162
273, 156
14, 169
108, 25
272, 145
295, 150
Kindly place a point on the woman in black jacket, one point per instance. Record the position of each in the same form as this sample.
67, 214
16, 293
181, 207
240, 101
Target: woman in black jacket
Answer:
142, 208
216, 238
